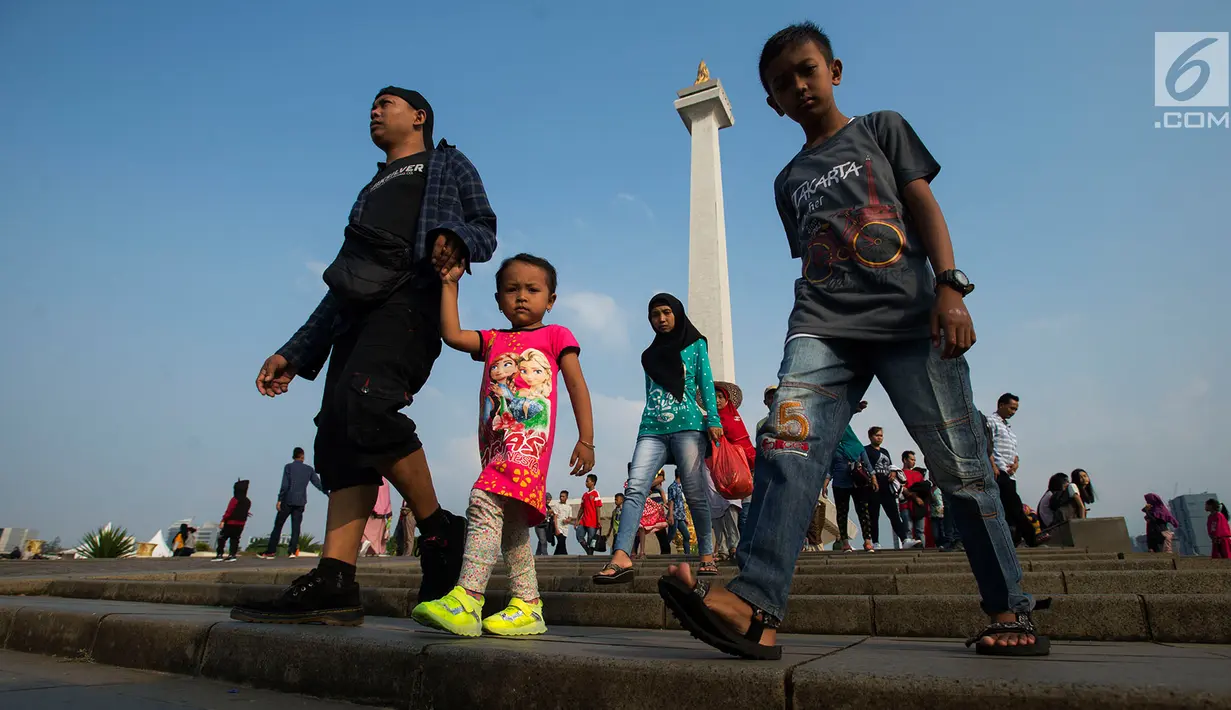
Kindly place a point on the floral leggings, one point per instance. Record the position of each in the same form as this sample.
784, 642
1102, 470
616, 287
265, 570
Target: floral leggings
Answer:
496, 525
843, 497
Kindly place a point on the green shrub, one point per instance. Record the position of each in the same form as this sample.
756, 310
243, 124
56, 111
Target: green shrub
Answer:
107, 544
307, 543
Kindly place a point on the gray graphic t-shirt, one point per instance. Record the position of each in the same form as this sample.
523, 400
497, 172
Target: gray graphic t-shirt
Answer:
865, 272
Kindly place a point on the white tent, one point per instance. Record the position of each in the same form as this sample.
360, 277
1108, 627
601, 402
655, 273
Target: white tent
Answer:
160, 546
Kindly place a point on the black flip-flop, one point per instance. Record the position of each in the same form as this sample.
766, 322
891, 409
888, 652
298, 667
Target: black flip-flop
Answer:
623, 575
707, 569
1023, 624
688, 606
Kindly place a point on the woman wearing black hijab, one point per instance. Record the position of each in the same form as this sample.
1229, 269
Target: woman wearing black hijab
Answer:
680, 412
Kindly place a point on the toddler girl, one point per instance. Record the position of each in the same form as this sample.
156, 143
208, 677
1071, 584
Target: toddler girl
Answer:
516, 432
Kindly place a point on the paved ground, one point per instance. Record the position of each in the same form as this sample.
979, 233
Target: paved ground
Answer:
29, 682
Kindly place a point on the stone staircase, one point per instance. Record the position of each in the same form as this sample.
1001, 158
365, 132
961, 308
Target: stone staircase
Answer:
1095, 596
1109, 608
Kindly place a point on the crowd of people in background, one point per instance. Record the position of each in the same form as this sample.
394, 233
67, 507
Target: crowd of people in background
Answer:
862, 476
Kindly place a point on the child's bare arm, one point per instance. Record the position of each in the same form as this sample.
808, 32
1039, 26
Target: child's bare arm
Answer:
582, 459
467, 341
949, 314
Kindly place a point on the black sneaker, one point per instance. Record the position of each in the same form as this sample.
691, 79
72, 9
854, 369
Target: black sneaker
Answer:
441, 559
311, 599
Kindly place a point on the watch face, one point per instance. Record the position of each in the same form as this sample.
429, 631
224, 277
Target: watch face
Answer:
959, 278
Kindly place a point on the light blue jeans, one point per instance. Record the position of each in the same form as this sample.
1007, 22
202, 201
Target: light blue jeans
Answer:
687, 449
680, 526
914, 528
820, 384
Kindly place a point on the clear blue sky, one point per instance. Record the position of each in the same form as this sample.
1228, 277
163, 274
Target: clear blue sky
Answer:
174, 178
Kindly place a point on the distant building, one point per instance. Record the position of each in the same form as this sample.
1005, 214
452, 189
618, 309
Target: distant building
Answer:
15, 537
1191, 537
208, 534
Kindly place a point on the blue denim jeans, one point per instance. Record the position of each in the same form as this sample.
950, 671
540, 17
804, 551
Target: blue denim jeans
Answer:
820, 384
680, 525
951, 531
938, 532
914, 528
687, 449
544, 535
586, 537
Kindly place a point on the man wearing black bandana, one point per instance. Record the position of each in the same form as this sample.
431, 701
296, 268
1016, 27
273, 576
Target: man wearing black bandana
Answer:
424, 213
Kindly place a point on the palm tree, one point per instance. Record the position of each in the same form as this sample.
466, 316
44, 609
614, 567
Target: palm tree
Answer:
106, 543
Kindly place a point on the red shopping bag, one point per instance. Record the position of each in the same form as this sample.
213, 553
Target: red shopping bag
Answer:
729, 468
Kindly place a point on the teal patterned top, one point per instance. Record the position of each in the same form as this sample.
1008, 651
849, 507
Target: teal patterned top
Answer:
663, 414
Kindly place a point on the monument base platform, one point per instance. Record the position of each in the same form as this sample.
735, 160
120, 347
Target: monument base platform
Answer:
1094, 534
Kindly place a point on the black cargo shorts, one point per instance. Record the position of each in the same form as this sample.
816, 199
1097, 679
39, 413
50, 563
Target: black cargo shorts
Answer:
380, 360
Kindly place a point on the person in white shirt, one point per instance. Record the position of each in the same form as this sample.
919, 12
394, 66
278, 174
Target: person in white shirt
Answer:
1004, 456
563, 514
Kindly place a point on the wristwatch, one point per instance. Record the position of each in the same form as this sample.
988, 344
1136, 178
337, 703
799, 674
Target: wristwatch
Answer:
956, 280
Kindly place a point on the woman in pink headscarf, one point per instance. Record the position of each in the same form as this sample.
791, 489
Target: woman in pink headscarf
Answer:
1158, 518
376, 531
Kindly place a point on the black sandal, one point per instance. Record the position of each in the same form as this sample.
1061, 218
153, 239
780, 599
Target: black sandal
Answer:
1023, 624
622, 575
707, 569
688, 606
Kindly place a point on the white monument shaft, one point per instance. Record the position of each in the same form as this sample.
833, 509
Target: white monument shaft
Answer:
705, 110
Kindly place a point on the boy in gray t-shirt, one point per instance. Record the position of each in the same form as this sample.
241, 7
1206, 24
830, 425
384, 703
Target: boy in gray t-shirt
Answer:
879, 295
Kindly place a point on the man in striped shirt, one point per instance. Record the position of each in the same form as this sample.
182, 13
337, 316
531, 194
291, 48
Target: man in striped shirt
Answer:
1004, 455
1004, 440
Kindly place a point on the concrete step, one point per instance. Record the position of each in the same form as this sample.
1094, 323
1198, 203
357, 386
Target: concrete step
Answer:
1122, 577
1191, 618
394, 662
1211, 581
585, 567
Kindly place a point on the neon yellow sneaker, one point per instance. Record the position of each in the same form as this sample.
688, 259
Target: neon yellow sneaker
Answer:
456, 612
519, 619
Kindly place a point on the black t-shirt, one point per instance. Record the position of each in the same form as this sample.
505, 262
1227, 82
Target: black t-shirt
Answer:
882, 464
394, 197
376, 257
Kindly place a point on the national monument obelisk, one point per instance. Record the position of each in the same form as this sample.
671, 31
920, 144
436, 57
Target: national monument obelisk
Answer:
705, 110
